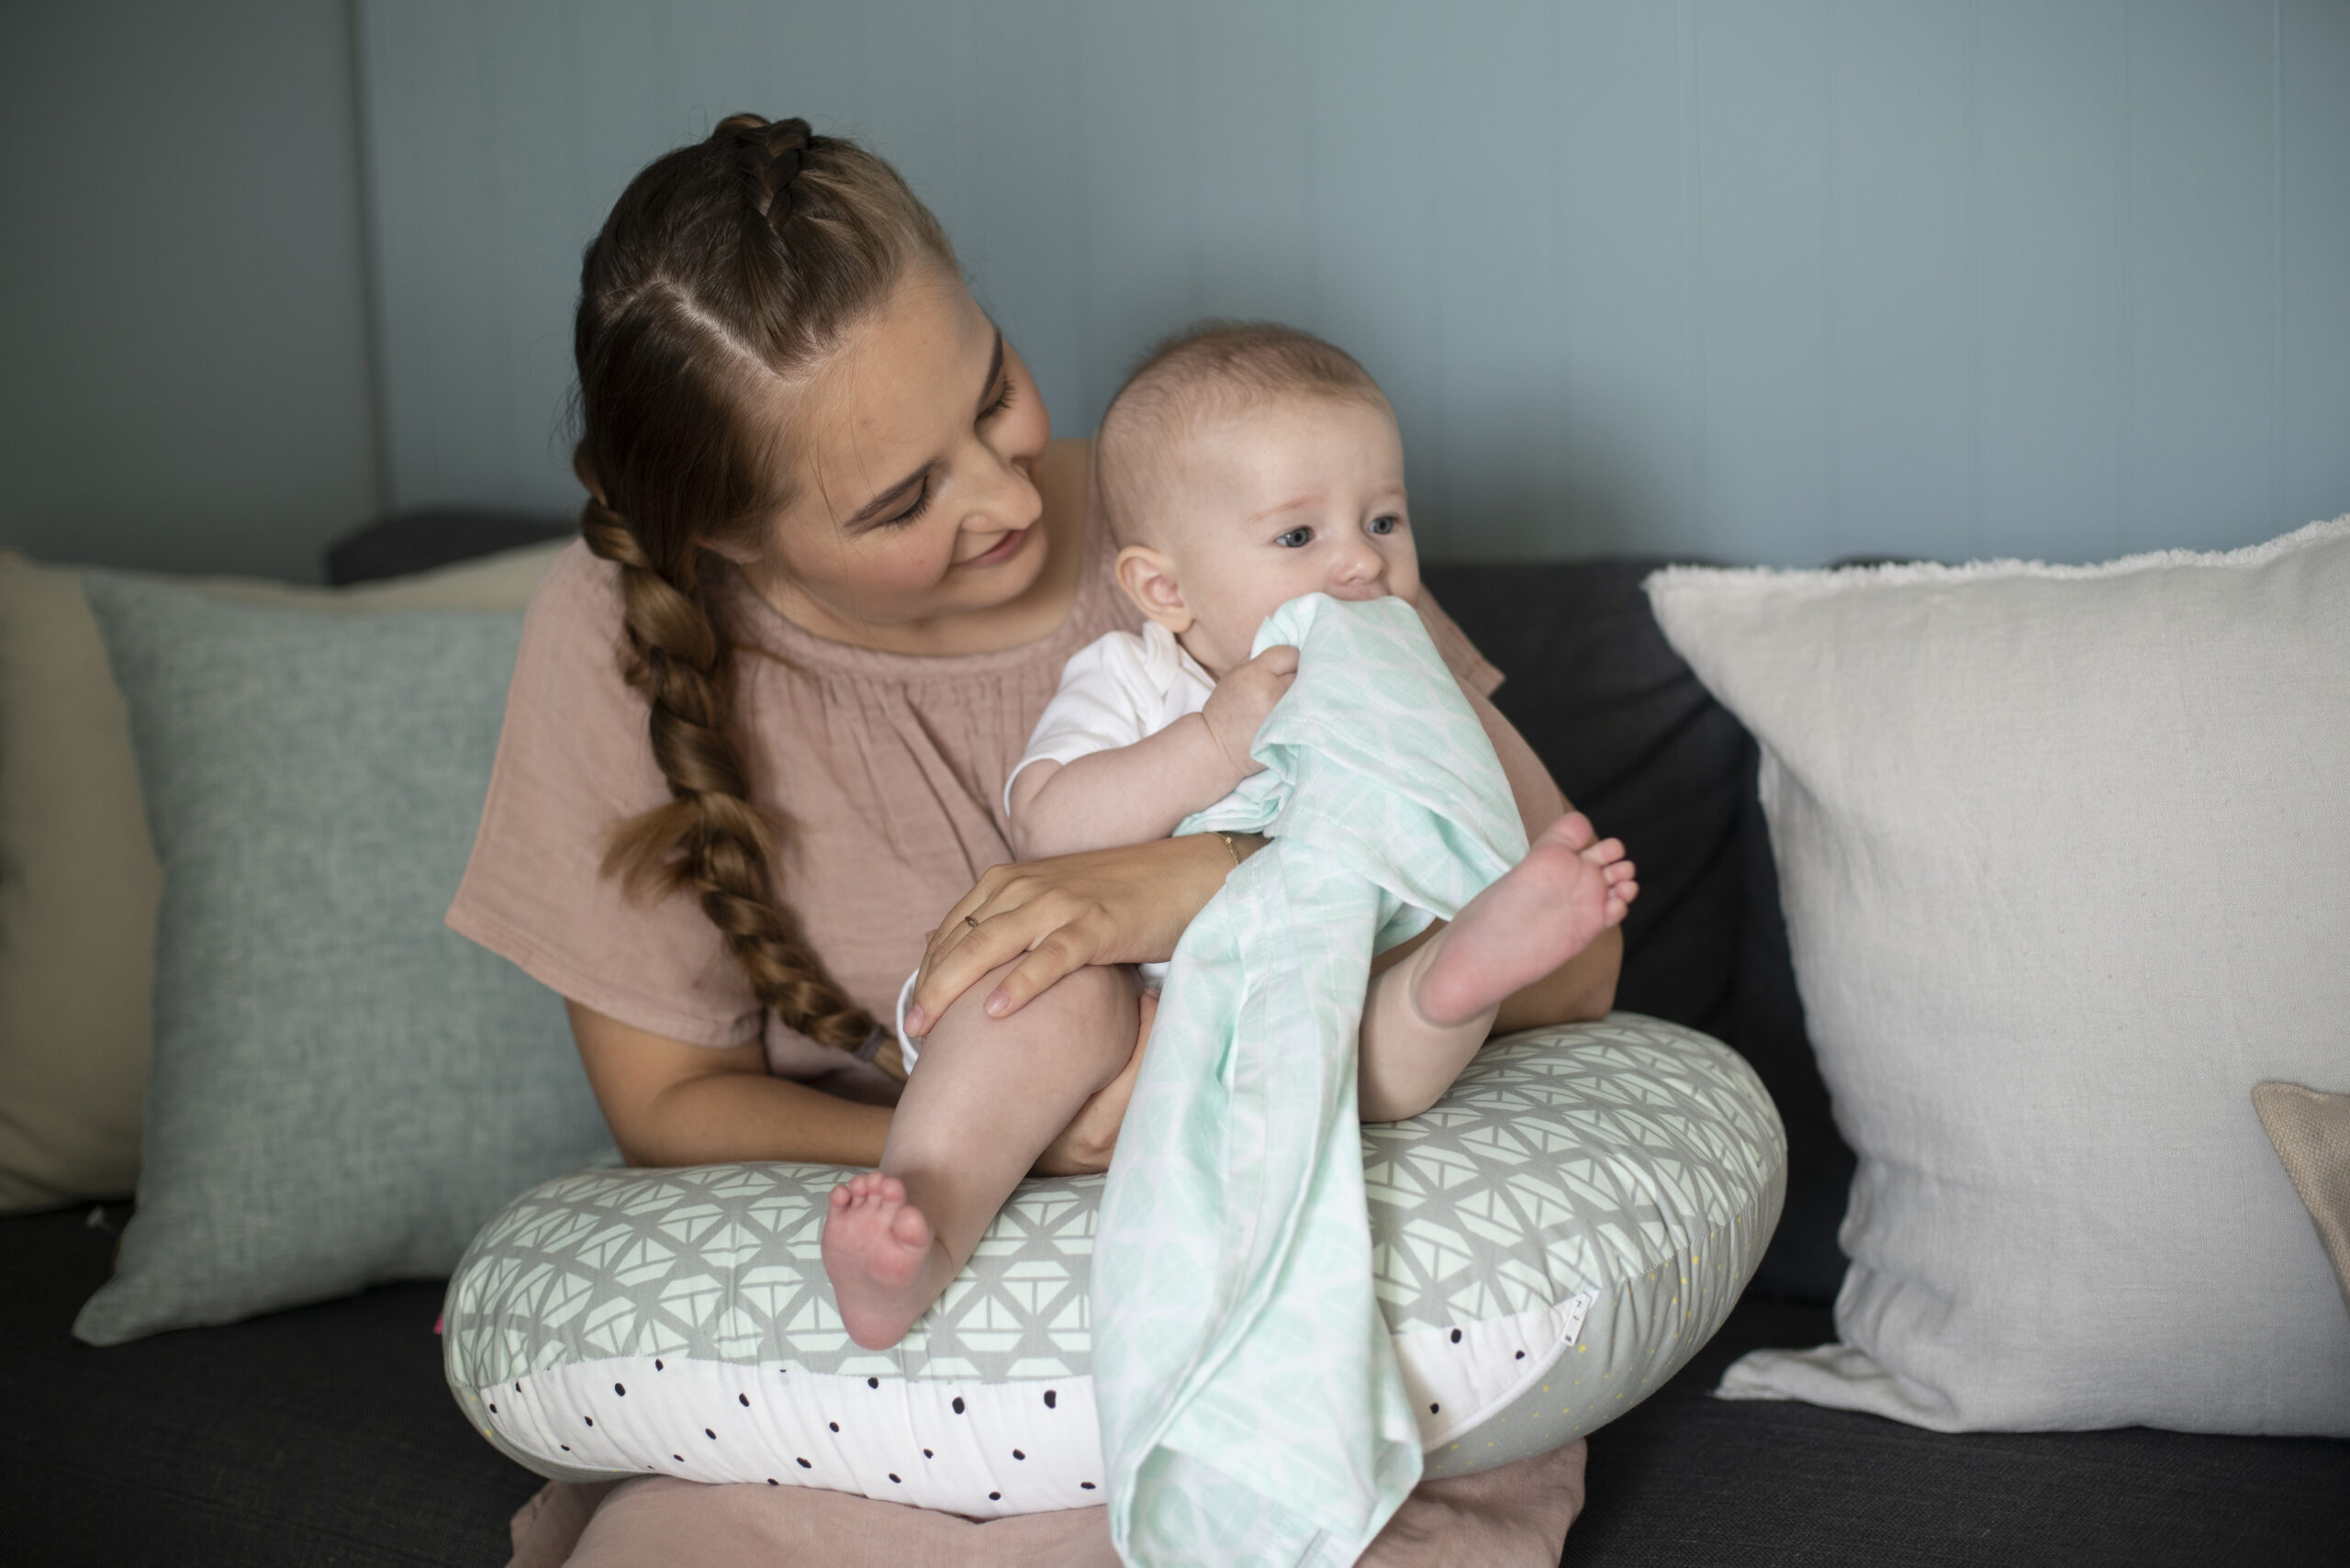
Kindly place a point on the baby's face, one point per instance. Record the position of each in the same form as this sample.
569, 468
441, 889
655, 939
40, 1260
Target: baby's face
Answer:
1303, 495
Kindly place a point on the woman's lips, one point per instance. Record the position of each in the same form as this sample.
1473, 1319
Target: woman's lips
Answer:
1003, 549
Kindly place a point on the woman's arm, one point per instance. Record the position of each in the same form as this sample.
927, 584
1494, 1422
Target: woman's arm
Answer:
671, 1103
1130, 905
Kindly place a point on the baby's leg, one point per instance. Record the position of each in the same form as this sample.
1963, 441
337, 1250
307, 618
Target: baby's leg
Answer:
1426, 1017
1403, 1062
988, 1096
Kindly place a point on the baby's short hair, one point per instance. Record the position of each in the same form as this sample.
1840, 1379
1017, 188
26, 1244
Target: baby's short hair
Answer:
1210, 370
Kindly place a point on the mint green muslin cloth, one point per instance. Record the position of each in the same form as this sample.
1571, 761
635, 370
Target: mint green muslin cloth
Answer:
1250, 1404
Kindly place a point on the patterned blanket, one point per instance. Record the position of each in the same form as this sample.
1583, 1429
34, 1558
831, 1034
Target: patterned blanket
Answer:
1250, 1405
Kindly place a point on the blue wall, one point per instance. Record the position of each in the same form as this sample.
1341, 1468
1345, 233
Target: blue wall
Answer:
1775, 280
184, 377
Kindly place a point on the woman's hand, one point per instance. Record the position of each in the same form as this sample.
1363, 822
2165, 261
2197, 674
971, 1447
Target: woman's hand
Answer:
1086, 1144
1106, 906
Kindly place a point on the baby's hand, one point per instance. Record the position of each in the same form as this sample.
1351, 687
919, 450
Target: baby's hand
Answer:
1237, 706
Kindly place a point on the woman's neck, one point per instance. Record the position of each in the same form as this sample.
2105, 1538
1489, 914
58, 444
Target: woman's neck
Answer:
1062, 475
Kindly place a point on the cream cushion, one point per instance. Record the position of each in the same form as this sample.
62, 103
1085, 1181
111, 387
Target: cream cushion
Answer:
2311, 1132
79, 883
2066, 859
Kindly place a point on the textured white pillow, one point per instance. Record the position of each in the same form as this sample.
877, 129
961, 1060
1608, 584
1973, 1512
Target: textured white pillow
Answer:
2066, 859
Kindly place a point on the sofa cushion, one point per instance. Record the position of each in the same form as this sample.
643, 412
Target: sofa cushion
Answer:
325, 1435
342, 1091
78, 878
1637, 742
2311, 1132
2067, 872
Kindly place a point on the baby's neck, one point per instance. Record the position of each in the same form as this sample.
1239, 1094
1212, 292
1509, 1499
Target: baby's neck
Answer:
1189, 643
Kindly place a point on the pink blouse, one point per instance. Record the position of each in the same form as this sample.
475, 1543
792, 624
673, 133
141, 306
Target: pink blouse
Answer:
886, 770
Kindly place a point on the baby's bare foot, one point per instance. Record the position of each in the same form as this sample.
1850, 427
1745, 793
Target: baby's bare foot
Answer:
885, 1265
1542, 912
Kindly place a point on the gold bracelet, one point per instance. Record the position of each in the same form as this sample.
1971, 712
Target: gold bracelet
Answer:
1231, 848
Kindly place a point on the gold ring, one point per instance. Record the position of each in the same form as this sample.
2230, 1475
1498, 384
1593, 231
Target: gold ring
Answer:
972, 920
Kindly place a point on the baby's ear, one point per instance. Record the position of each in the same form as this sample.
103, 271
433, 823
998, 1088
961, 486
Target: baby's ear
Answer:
1148, 579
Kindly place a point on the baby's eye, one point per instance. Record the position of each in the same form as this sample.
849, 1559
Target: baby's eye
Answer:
1295, 539
1386, 523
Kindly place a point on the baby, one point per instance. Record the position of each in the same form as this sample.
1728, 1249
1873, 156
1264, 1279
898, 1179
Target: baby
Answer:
1244, 464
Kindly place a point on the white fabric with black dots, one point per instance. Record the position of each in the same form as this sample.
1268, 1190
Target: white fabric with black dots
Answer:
1551, 1241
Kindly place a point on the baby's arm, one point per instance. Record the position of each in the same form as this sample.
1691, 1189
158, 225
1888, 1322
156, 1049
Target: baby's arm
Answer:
1131, 794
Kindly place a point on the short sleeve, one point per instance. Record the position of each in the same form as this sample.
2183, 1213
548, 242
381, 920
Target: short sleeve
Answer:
1460, 655
1104, 702
573, 764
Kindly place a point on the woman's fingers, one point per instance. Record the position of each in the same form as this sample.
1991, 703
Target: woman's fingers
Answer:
1048, 930
1057, 955
1104, 906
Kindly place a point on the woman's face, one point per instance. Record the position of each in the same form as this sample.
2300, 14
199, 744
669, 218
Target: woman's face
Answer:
914, 447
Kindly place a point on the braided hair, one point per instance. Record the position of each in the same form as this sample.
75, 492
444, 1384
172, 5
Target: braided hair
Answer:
724, 266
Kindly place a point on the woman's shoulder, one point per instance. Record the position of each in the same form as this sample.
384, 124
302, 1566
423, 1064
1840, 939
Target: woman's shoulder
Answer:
579, 587
571, 671
575, 622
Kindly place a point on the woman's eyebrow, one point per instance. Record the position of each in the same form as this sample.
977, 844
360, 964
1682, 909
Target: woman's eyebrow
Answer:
873, 509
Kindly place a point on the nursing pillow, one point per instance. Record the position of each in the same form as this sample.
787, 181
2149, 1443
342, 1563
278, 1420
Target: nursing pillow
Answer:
1552, 1240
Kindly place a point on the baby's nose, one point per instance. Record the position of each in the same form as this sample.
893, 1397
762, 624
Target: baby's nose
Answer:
1359, 567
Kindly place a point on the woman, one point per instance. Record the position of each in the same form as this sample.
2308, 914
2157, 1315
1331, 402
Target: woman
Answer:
831, 565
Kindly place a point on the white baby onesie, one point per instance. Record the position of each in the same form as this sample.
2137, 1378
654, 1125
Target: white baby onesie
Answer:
1114, 690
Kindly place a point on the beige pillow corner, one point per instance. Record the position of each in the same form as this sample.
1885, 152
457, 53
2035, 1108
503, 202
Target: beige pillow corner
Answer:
79, 886
79, 881
2312, 1133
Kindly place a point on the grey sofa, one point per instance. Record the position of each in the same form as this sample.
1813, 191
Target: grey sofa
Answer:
326, 1435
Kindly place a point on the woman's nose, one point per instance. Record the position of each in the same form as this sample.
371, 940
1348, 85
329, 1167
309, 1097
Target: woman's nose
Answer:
1008, 498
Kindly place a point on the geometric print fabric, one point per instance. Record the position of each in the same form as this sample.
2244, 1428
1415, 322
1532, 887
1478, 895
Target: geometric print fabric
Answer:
1592, 1158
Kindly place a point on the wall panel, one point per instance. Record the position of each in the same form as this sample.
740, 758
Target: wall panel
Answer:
183, 320
1777, 282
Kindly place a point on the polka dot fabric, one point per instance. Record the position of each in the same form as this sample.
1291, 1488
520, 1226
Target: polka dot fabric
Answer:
1551, 1241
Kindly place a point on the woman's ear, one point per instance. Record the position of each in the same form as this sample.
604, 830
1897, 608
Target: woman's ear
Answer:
734, 552
1148, 579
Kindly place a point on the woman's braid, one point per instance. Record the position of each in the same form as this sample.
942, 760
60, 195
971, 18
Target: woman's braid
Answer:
710, 840
768, 152
723, 266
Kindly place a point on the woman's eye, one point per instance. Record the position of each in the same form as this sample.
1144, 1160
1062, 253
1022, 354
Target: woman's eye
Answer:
1002, 399
1295, 539
1385, 524
920, 505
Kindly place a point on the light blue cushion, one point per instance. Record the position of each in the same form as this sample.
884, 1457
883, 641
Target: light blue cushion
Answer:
343, 1090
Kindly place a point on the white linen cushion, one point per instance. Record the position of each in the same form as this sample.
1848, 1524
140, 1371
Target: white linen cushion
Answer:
2066, 860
